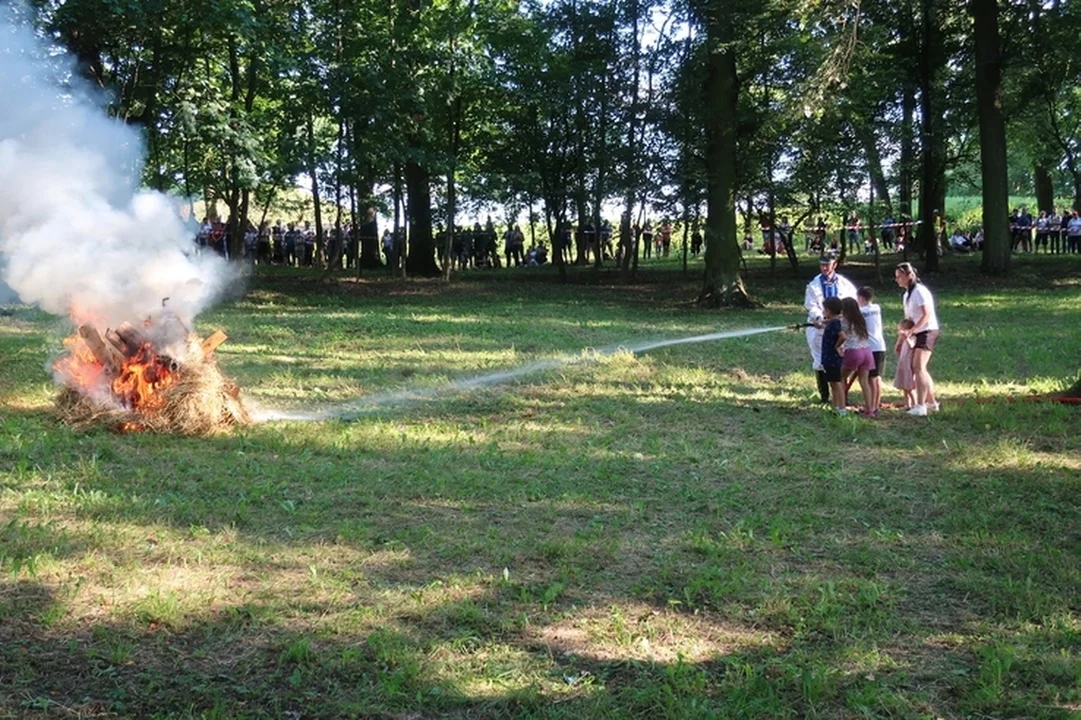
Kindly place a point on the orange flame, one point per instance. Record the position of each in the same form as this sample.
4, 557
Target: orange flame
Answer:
134, 381
141, 378
79, 368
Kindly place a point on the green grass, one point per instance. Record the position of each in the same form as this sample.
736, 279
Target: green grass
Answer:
678, 534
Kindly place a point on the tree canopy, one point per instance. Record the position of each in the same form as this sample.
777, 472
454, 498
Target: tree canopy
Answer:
576, 110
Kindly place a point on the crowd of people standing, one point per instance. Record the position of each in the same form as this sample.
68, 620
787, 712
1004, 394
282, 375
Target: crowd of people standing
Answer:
471, 247
485, 246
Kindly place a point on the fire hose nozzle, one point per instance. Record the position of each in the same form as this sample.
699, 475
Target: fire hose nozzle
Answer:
800, 326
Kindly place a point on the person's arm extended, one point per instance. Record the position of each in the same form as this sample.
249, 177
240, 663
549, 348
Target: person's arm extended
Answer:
901, 340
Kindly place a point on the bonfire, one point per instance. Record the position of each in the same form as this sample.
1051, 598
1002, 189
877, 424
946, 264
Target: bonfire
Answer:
159, 377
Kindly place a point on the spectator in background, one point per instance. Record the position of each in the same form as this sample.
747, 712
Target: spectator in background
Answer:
1055, 229
785, 240
309, 244
887, 233
958, 242
387, 241
696, 241
647, 240
251, 238
666, 238
1043, 231
853, 233
1073, 233
977, 240
277, 238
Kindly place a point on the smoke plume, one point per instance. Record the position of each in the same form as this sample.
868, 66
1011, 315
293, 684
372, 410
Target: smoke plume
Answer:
76, 233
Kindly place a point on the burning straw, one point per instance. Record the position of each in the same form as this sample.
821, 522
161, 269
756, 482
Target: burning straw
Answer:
121, 380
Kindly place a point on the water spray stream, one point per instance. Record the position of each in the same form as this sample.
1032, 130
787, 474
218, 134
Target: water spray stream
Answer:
354, 409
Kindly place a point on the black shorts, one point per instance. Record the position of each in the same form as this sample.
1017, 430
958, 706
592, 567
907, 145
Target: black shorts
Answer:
926, 340
880, 360
833, 374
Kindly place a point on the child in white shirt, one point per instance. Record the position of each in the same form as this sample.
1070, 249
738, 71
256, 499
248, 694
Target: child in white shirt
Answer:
872, 314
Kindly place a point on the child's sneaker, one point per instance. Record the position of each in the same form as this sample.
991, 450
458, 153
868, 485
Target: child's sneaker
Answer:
841, 411
919, 411
933, 407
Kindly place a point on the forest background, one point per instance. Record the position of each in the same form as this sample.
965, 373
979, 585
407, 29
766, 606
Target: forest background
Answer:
569, 110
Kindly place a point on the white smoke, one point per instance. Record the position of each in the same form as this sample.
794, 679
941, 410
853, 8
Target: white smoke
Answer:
6, 293
75, 231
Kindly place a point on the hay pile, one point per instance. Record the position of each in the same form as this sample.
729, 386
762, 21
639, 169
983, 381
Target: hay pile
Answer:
201, 401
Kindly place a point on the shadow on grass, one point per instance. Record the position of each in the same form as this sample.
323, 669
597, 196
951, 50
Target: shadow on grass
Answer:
500, 654
815, 588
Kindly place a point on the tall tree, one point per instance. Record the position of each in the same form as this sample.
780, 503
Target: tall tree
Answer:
932, 139
722, 284
997, 246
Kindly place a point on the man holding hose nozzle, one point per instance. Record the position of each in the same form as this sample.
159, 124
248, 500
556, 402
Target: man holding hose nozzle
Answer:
828, 283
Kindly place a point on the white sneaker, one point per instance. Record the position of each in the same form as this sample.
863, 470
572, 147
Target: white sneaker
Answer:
841, 411
933, 407
920, 410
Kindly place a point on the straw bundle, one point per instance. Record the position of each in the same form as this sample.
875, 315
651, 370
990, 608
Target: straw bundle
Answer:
201, 401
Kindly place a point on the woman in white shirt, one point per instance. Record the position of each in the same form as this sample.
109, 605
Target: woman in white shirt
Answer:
920, 309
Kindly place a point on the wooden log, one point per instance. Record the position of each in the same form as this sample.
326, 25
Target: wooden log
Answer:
213, 342
105, 353
133, 339
113, 339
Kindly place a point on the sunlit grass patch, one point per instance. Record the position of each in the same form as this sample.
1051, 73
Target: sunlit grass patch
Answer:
668, 533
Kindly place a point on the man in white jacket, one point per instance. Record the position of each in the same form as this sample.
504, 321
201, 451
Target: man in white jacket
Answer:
828, 283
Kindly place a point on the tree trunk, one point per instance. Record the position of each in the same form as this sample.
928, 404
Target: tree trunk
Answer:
993, 164
874, 166
422, 250
771, 208
394, 259
582, 212
452, 187
872, 231
1045, 188
932, 148
904, 192
455, 106
722, 284
532, 224
313, 171
602, 170
337, 249
234, 235
627, 236
452, 213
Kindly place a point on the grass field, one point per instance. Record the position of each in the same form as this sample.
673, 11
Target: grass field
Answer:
678, 534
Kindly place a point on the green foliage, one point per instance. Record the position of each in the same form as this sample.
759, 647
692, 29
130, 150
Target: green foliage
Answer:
571, 103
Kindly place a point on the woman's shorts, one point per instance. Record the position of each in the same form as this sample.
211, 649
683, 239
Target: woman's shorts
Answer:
926, 340
880, 361
859, 360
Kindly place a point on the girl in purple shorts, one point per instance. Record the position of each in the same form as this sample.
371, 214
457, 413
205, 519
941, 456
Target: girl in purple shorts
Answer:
854, 344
